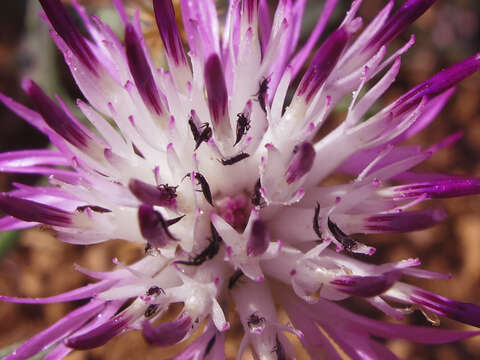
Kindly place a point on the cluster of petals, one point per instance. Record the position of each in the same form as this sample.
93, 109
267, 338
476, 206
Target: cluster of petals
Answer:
214, 167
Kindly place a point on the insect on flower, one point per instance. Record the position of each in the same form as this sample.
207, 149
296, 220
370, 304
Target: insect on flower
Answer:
243, 125
262, 93
258, 95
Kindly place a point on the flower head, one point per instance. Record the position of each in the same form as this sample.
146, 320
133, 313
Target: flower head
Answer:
219, 178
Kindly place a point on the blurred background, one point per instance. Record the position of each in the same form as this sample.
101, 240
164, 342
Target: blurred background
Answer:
34, 264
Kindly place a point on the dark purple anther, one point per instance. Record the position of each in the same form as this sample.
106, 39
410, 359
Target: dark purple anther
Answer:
100, 335
234, 159
347, 242
167, 25
323, 63
460, 311
162, 195
65, 27
151, 310
55, 117
141, 72
262, 94
316, 224
28, 210
301, 163
167, 334
94, 208
281, 355
259, 239
209, 346
398, 22
366, 286
216, 89
153, 227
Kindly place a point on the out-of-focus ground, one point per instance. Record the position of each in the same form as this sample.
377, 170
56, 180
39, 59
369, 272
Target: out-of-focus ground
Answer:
38, 265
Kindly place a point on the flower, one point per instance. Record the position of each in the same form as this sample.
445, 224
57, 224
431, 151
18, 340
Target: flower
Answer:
220, 177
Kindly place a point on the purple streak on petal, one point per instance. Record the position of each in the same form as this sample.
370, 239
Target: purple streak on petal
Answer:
417, 334
430, 112
301, 162
439, 83
8, 223
55, 116
332, 316
295, 16
63, 175
439, 189
168, 333
141, 72
264, 23
30, 116
323, 63
196, 349
259, 239
445, 142
201, 16
32, 157
36, 120
366, 286
216, 89
165, 17
405, 221
302, 55
460, 311
407, 14
100, 335
325, 311
65, 27
84, 292
153, 227
27, 210
45, 192
152, 195
57, 331
249, 7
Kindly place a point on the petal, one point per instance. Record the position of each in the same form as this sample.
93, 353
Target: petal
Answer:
166, 334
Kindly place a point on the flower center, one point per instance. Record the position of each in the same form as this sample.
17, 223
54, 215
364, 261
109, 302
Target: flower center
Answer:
235, 210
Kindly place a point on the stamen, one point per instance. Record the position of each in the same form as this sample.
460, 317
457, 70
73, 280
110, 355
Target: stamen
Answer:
204, 185
208, 253
234, 159
316, 225
94, 208
257, 198
279, 350
261, 94
209, 346
234, 279
347, 242
151, 310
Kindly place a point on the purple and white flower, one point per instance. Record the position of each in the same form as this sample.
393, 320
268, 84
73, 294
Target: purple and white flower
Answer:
219, 177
